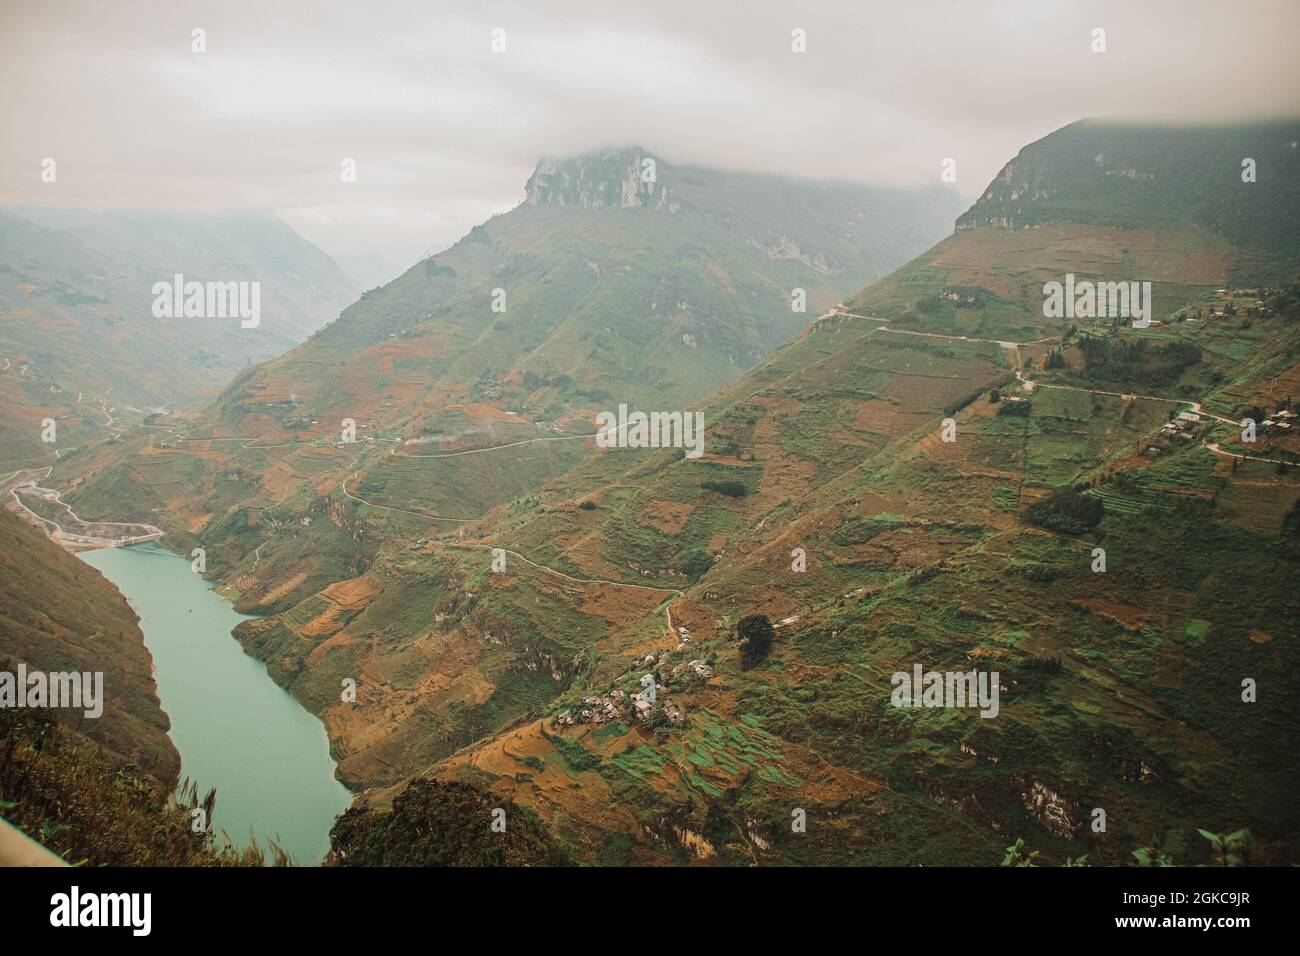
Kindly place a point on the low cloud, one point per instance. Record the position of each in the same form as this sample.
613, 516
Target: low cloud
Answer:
445, 132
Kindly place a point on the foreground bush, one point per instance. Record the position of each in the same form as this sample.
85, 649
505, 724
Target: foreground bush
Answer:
443, 823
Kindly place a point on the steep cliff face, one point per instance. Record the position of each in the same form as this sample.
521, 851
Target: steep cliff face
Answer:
59, 614
612, 179
825, 226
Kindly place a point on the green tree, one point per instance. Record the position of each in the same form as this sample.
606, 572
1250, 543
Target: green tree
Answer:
755, 632
696, 563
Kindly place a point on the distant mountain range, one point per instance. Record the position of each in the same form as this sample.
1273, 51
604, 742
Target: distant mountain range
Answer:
78, 335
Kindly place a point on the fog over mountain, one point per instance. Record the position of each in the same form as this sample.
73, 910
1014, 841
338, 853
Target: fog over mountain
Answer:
444, 130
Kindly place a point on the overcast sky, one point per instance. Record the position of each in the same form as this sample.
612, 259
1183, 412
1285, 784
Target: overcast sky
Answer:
445, 132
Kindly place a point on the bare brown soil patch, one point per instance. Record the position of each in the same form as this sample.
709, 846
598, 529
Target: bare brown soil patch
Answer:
784, 474
880, 416
622, 607
581, 798
1125, 615
933, 447
908, 549
668, 517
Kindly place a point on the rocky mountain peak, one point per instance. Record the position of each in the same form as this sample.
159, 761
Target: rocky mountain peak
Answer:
625, 178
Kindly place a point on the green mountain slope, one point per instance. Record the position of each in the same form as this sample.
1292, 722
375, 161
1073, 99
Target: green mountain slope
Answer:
1107, 202
610, 289
1133, 176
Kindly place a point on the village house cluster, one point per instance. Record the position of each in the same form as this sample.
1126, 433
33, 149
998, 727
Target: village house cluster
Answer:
963, 296
1231, 309
652, 697
617, 705
1183, 427
1280, 420
596, 709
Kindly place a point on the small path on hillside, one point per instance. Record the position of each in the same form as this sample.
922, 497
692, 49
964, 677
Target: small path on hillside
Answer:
514, 444
837, 311
1030, 385
22, 461
321, 443
561, 574
73, 537
109, 420
476, 451
1214, 447
668, 610
418, 514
